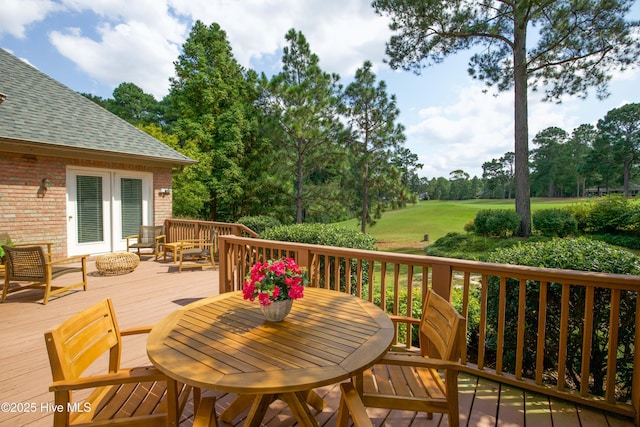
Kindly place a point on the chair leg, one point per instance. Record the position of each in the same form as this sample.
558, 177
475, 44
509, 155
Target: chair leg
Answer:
5, 287
47, 286
85, 281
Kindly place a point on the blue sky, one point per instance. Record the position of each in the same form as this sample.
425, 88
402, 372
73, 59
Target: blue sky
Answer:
451, 123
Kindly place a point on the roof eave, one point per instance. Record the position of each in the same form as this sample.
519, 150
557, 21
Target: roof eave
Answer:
55, 150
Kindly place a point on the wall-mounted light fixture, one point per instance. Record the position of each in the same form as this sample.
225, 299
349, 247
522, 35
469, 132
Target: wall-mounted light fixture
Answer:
165, 192
45, 184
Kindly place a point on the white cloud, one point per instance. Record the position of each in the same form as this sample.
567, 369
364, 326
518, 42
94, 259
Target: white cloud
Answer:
16, 15
475, 128
138, 41
130, 52
343, 33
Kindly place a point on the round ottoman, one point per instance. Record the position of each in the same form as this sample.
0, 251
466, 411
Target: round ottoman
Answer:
117, 263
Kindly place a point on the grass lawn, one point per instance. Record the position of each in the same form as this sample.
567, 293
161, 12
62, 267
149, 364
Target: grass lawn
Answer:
403, 230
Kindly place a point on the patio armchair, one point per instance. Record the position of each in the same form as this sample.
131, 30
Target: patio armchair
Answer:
425, 381
140, 396
198, 250
150, 237
32, 265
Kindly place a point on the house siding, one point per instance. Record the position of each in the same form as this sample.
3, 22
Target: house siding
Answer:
30, 214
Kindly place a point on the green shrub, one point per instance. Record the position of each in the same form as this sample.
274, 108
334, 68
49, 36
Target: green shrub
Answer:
497, 222
581, 212
471, 246
321, 234
578, 254
469, 226
473, 315
609, 214
328, 235
473, 318
629, 242
259, 223
555, 222
7, 242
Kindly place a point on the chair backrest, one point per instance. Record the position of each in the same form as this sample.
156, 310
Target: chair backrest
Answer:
148, 233
82, 339
25, 263
441, 328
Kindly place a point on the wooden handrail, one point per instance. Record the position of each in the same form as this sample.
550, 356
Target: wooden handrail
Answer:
396, 282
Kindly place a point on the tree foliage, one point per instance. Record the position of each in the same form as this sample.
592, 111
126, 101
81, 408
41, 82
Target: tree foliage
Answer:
212, 97
303, 103
578, 44
619, 130
375, 135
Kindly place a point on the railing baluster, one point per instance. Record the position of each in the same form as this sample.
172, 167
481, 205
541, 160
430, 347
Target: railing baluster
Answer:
383, 286
359, 278
465, 311
586, 341
612, 354
336, 273
483, 322
522, 295
327, 272
371, 279
396, 289
564, 336
542, 329
502, 306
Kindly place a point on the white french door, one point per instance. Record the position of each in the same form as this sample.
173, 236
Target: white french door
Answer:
103, 207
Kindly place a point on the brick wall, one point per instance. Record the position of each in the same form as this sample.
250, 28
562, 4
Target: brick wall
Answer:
29, 213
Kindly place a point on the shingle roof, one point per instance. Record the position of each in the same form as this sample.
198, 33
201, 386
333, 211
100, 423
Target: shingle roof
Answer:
38, 109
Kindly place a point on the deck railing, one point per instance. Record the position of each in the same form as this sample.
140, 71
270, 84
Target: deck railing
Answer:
508, 297
185, 229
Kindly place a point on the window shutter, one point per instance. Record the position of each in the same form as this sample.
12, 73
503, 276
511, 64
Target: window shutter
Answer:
89, 200
131, 206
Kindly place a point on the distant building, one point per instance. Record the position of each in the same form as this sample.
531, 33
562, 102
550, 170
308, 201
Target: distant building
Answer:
604, 191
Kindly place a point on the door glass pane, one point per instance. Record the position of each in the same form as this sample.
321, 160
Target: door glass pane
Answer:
89, 199
131, 202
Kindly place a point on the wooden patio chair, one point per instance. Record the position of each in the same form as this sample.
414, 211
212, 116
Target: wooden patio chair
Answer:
198, 250
425, 381
140, 396
150, 237
32, 265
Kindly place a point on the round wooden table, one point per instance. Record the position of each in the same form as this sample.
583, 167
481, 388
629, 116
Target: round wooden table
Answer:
223, 343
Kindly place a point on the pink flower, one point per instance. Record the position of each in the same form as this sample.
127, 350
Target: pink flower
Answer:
264, 299
249, 290
274, 280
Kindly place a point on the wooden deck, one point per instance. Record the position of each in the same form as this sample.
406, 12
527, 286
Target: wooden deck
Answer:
155, 289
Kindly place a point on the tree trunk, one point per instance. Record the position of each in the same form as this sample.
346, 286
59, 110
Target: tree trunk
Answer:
299, 186
627, 178
365, 198
522, 190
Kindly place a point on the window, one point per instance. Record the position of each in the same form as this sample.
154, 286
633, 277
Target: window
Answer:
89, 209
131, 206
